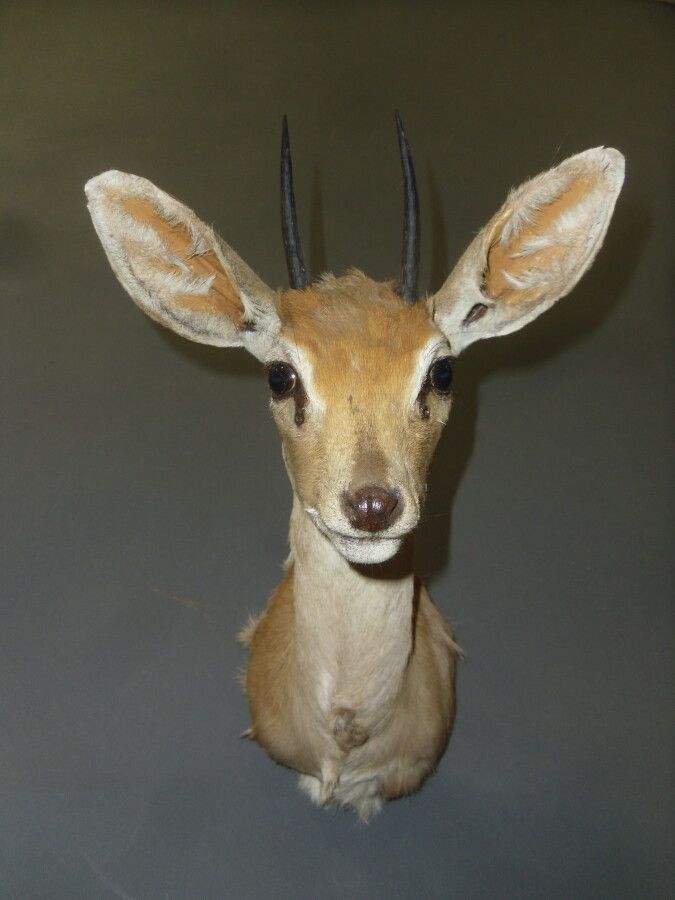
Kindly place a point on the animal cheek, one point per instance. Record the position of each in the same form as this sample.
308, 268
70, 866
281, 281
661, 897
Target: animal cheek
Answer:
423, 442
305, 452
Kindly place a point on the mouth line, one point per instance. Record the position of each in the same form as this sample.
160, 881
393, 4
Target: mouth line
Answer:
367, 538
361, 538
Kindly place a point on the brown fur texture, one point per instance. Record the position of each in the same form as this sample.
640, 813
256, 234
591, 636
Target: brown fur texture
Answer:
418, 726
351, 673
352, 751
361, 345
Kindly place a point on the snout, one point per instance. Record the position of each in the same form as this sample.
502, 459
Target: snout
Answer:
371, 507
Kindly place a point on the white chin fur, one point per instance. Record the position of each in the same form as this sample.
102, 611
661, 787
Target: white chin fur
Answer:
357, 550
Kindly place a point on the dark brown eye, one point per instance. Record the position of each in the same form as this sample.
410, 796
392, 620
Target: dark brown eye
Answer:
440, 375
281, 378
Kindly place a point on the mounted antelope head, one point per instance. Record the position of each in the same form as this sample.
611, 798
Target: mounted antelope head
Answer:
350, 678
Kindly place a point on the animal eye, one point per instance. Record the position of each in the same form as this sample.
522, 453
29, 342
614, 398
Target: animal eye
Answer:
281, 378
440, 375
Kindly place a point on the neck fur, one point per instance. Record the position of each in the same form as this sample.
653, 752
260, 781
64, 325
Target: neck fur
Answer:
353, 623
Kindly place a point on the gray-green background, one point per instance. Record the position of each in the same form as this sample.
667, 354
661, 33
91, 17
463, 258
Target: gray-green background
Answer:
144, 501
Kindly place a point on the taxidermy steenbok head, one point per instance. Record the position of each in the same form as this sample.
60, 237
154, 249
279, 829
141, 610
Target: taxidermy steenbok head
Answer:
360, 375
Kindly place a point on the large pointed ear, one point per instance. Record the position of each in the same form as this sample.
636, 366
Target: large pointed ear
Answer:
177, 269
533, 251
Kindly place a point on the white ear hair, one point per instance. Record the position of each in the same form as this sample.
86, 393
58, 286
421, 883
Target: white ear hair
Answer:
533, 251
177, 269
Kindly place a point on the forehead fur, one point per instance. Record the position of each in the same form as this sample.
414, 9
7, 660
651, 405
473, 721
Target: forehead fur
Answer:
353, 317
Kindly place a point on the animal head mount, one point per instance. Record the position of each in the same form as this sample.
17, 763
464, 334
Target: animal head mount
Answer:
360, 372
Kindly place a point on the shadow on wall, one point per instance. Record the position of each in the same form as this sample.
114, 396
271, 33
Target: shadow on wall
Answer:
590, 303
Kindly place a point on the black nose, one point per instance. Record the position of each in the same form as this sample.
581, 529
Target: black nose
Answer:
371, 508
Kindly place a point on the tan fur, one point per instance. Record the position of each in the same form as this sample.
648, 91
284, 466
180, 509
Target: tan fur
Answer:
511, 257
351, 672
362, 345
177, 269
390, 709
223, 295
533, 250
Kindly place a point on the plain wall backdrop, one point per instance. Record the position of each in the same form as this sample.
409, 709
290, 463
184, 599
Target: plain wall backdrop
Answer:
144, 500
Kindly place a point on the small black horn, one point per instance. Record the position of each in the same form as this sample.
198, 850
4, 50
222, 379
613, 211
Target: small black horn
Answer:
297, 275
411, 221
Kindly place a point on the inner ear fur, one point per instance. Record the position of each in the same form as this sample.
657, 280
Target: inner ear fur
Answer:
528, 246
533, 251
188, 255
176, 268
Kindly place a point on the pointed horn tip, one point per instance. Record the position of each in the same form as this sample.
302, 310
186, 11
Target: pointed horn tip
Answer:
411, 227
289, 223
